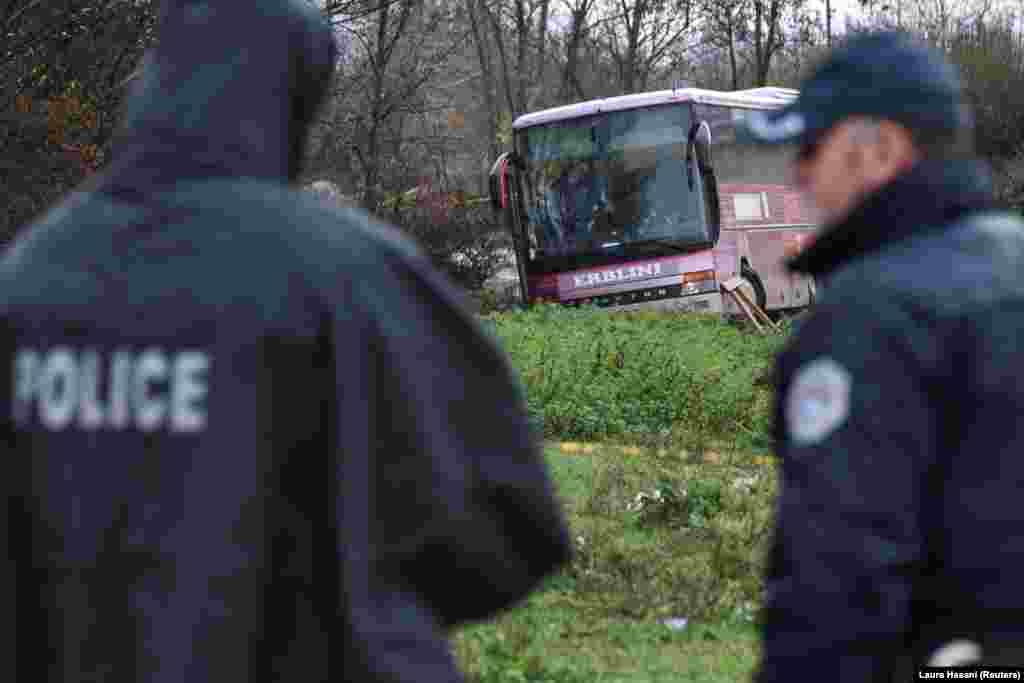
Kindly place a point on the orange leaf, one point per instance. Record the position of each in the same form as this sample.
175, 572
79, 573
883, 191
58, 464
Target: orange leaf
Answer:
57, 108
456, 119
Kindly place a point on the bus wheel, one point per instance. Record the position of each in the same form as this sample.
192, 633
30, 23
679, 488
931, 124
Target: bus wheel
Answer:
753, 287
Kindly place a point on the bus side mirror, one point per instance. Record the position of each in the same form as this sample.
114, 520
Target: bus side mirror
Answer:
499, 179
698, 144
702, 145
497, 182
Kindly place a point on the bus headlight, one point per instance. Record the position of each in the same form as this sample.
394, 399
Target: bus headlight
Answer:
699, 281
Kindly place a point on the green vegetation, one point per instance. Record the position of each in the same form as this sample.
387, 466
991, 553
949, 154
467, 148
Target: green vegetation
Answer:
659, 535
670, 510
648, 378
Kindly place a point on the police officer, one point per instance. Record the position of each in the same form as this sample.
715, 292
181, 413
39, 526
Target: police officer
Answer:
899, 399
249, 436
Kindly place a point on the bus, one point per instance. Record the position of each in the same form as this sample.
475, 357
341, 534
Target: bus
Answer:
653, 200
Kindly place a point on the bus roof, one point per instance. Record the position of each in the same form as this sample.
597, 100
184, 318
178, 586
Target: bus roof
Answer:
755, 98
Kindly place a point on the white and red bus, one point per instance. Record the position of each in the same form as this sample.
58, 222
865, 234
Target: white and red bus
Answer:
652, 200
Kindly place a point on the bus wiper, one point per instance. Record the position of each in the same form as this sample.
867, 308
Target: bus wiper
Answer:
660, 243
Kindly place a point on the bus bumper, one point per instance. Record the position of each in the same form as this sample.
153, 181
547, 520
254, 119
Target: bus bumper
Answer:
692, 303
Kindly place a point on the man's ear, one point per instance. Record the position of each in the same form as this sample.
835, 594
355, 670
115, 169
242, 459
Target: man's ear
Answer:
887, 153
896, 152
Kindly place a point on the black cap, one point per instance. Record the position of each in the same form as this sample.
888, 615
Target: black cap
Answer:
884, 75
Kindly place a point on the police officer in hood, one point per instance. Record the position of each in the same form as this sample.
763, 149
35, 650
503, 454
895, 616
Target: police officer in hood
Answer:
898, 413
249, 436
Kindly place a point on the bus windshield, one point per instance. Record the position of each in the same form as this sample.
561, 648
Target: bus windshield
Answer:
612, 180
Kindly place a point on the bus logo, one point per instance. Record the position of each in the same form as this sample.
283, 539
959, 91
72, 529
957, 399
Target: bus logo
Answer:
602, 277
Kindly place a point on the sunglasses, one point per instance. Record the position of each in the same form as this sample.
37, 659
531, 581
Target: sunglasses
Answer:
808, 150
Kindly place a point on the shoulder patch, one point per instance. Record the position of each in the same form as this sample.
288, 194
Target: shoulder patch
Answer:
818, 401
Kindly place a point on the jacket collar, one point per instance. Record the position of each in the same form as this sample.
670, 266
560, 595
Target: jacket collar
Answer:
929, 197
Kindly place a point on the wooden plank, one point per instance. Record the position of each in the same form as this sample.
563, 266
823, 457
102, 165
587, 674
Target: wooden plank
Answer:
744, 305
753, 312
756, 309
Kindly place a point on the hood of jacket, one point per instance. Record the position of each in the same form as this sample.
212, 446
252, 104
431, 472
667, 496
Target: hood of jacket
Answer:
230, 90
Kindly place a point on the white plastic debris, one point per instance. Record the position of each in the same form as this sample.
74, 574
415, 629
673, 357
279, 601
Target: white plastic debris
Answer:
675, 623
745, 485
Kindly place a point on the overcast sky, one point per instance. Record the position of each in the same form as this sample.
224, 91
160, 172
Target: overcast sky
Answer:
841, 9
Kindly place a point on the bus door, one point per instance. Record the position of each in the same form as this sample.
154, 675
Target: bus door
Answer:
506, 198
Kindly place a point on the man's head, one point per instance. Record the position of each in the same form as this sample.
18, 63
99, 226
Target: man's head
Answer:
869, 113
231, 89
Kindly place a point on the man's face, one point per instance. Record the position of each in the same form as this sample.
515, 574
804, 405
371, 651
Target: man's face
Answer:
850, 161
828, 171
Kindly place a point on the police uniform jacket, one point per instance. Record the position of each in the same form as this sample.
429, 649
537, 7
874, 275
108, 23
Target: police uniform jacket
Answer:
248, 436
898, 426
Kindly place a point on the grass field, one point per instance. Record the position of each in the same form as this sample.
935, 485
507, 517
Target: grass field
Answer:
641, 377
670, 509
660, 534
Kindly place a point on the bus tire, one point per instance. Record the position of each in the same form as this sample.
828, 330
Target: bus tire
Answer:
751, 276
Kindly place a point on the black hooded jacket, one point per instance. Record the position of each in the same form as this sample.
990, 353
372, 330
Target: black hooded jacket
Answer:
247, 436
898, 427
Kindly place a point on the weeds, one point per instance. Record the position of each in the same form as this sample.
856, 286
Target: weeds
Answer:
676, 530
652, 537
657, 538
649, 378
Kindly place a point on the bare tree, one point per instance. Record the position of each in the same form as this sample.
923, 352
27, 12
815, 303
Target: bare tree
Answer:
487, 74
767, 34
725, 26
639, 34
395, 52
519, 31
580, 12
828, 23
753, 34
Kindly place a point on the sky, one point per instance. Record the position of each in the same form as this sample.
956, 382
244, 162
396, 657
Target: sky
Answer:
851, 8
841, 9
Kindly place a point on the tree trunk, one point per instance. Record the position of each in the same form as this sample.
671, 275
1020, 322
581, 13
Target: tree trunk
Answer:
499, 41
633, 26
371, 170
571, 87
487, 80
371, 162
760, 71
522, 62
542, 48
828, 23
767, 36
733, 66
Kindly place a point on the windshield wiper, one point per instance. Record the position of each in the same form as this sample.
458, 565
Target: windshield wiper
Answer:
659, 243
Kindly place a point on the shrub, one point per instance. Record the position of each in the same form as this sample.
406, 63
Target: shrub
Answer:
466, 244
